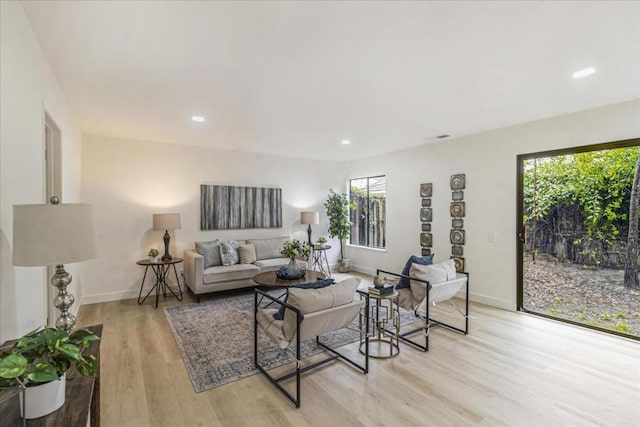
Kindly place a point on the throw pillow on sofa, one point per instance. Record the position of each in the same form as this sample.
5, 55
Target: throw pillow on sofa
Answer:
229, 252
247, 253
211, 252
425, 260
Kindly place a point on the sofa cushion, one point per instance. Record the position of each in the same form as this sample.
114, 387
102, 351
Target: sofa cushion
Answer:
229, 252
247, 253
268, 248
225, 273
312, 300
275, 263
210, 251
413, 259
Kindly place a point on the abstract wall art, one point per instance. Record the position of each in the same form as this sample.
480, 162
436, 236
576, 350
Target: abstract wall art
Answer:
224, 207
457, 209
426, 216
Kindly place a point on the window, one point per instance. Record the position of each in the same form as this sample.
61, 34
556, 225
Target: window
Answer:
368, 197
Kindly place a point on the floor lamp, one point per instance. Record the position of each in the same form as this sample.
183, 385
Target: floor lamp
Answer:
48, 234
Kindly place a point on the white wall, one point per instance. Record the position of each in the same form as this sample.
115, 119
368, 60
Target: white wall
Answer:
128, 181
28, 88
489, 162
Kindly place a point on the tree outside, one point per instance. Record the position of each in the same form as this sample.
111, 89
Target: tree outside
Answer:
581, 238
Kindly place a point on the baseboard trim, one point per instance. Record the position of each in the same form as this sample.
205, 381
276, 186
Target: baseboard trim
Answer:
474, 297
363, 270
112, 296
490, 301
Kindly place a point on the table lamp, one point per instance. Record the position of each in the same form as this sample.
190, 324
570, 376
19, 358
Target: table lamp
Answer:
309, 218
166, 222
47, 234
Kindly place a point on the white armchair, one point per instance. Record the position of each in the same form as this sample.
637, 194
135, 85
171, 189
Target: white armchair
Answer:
309, 313
430, 285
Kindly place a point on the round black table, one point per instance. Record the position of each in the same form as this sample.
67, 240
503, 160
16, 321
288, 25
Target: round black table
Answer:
161, 269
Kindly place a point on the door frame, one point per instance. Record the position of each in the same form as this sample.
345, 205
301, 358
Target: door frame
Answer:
52, 155
520, 225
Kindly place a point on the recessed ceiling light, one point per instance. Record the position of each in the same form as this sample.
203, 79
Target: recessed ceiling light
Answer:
444, 135
346, 142
197, 118
584, 73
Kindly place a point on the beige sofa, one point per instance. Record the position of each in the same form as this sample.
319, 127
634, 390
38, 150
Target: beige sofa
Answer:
201, 280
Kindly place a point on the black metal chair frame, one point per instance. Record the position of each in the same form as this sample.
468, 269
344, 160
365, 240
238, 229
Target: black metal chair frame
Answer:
258, 297
427, 319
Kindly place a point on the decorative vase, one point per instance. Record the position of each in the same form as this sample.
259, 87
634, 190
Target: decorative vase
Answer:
293, 269
153, 259
378, 281
45, 398
344, 265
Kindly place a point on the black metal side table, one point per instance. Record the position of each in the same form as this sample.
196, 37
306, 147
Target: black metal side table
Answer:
161, 268
319, 261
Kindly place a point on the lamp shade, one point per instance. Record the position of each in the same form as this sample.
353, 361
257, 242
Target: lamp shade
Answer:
309, 218
53, 234
169, 221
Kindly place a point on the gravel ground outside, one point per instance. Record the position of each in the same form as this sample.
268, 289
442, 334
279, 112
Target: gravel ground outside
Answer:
581, 293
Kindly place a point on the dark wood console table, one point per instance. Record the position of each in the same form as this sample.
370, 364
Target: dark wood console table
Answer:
82, 399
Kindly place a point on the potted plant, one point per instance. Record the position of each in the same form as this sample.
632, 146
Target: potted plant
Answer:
292, 249
337, 206
39, 361
322, 241
153, 255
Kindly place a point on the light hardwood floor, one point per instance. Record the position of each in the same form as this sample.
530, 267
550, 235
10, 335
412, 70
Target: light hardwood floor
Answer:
512, 369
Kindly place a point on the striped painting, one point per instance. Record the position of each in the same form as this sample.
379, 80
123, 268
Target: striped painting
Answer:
225, 207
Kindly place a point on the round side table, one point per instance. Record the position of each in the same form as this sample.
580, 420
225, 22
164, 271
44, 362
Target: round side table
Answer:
385, 325
319, 261
161, 268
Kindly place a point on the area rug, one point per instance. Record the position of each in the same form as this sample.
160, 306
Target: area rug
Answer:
215, 339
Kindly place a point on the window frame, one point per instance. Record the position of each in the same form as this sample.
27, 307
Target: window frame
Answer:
368, 244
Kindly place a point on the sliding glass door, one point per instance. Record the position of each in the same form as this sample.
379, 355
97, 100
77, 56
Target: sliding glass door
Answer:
578, 236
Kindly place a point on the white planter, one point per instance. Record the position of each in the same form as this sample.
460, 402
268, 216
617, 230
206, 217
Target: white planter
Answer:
45, 398
153, 259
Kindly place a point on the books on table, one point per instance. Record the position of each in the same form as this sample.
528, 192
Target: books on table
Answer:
386, 289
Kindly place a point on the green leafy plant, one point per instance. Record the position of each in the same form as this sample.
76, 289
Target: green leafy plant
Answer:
623, 327
554, 310
45, 354
153, 252
606, 317
559, 299
337, 206
321, 239
620, 315
295, 248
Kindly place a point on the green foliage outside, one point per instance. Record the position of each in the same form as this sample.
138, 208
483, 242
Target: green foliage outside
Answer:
598, 182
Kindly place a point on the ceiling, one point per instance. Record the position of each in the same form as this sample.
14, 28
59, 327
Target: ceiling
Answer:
296, 78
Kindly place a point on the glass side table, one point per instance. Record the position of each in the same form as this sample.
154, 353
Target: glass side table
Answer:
384, 317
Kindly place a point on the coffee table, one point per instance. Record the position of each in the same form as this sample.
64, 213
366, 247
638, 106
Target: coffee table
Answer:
270, 280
